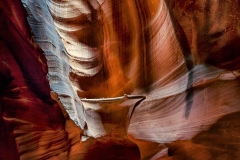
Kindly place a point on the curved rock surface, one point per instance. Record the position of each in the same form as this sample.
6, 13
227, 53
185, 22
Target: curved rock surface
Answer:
183, 56
58, 61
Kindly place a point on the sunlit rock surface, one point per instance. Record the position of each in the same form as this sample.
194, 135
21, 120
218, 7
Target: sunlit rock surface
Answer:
58, 61
183, 56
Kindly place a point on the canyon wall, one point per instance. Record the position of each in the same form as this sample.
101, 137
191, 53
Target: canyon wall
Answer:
181, 56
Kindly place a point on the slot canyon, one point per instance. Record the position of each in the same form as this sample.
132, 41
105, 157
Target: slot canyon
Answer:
119, 79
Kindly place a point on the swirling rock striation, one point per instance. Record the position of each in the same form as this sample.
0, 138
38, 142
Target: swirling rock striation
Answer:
32, 124
182, 55
58, 61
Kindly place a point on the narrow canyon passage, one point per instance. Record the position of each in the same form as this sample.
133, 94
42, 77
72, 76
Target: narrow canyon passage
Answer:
111, 79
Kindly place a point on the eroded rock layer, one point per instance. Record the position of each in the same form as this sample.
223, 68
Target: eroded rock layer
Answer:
32, 124
58, 61
183, 56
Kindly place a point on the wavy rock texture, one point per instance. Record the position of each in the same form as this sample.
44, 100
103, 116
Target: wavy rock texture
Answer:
182, 55
58, 61
32, 124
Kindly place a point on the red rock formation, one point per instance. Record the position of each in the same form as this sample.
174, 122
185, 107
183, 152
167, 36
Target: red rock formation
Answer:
212, 30
183, 55
32, 124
